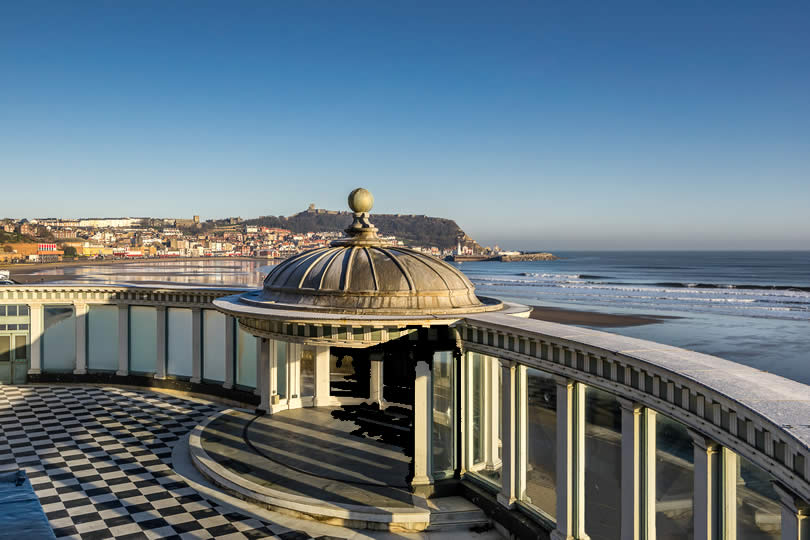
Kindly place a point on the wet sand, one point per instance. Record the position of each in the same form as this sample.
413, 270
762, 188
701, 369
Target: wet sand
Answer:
594, 319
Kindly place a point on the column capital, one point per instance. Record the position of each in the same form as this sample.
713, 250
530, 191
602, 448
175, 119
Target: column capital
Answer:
161, 307
196, 309
630, 405
507, 363
791, 501
703, 442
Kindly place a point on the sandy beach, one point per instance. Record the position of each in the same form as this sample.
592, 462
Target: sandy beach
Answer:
591, 318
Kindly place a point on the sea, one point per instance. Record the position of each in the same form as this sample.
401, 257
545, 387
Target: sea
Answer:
751, 307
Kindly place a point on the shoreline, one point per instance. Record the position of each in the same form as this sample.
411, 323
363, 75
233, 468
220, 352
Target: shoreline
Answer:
26, 273
576, 317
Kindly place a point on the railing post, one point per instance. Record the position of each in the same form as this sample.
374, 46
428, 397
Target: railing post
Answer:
230, 346
795, 514
160, 356
422, 425
36, 334
81, 338
570, 461
322, 397
196, 345
707, 509
631, 469
123, 340
508, 494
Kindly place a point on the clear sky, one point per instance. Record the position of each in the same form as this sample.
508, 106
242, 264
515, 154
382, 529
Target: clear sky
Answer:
535, 125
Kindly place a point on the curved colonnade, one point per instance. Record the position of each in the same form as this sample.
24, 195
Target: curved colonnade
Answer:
587, 433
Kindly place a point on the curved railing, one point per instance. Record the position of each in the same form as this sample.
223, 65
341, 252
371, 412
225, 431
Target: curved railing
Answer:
729, 410
736, 417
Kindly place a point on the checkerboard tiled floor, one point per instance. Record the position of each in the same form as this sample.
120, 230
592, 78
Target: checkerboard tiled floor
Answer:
99, 460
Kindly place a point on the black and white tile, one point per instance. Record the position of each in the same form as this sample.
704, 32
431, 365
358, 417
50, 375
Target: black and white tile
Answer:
99, 460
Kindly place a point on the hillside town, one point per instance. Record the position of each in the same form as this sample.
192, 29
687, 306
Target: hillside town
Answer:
55, 240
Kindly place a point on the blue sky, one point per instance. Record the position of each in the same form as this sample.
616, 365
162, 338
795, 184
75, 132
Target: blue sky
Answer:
534, 125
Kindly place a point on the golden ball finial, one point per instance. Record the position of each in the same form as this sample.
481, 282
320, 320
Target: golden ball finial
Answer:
361, 200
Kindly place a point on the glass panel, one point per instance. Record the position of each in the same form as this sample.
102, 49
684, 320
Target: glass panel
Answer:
179, 342
281, 369
307, 371
603, 465
22, 310
102, 338
11, 311
674, 479
213, 345
245, 359
443, 436
759, 515
541, 439
5, 348
59, 341
142, 339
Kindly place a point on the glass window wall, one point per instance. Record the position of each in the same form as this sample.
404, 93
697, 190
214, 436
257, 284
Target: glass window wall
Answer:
541, 443
213, 345
59, 341
603, 465
102, 338
281, 369
142, 339
308, 372
443, 434
674, 480
759, 514
179, 338
245, 359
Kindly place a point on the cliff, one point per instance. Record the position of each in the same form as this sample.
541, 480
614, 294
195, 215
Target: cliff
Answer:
413, 230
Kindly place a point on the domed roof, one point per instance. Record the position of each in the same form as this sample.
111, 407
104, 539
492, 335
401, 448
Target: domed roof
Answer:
362, 274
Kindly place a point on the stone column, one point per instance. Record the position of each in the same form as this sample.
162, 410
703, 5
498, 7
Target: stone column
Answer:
631, 469
259, 375
492, 412
264, 383
570, 461
322, 397
648, 452
795, 514
508, 493
196, 345
707, 494
36, 335
730, 475
80, 310
375, 391
230, 346
272, 372
294, 375
123, 340
160, 356
422, 426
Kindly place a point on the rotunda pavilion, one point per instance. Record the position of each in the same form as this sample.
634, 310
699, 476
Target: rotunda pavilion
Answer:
371, 387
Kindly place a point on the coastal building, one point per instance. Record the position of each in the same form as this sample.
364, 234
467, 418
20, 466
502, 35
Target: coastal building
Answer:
385, 393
